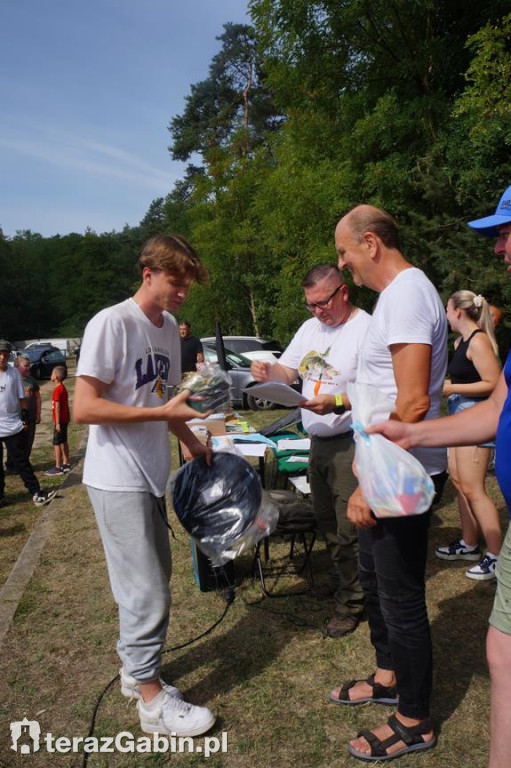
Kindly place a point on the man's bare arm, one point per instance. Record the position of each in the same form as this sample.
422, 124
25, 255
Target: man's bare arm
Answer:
90, 406
412, 371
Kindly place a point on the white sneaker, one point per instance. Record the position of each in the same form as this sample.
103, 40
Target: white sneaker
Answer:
43, 497
130, 689
484, 570
174, 717
458, 551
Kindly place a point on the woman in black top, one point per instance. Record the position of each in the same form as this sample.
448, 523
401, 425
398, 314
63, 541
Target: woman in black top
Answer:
474, 370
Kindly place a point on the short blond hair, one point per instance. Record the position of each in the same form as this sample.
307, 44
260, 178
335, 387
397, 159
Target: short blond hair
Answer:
60, 372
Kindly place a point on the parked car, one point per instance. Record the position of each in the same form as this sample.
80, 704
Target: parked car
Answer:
66, 346
238, 367
251, 347
239, 371
43, 359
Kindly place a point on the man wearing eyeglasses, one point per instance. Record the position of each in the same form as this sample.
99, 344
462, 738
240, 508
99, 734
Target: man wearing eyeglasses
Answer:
324, 352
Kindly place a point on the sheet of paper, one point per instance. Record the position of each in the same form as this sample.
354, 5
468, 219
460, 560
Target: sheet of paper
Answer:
300, 459
277, 392
301, 484
287, 444
252, 449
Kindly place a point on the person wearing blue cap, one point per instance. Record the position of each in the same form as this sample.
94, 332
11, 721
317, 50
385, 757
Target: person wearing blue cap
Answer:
479, 424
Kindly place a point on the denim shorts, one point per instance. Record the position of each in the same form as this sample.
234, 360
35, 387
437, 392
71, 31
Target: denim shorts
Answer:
458, 403
500, 617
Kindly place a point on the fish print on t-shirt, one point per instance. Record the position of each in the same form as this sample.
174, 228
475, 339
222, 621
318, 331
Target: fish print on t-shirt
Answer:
315, 367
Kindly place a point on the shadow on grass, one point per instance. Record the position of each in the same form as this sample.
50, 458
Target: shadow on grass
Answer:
235, 657
14, 530
12, 498
459, 633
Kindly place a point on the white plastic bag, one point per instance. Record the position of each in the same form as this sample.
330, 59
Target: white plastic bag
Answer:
394, 483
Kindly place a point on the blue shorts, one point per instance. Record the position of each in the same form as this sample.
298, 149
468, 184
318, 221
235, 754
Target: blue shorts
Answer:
458, 403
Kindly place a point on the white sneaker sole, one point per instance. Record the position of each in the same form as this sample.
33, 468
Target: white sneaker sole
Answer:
149, 727
441, 556
480, 576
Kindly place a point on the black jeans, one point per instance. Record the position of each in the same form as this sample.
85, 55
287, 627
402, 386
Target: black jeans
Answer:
392, 562
29, 442
17, 449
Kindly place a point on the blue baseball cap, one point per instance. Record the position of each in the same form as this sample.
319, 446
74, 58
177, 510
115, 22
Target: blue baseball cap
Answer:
489, 226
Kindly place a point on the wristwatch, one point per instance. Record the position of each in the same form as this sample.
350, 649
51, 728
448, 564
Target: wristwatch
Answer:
340, 408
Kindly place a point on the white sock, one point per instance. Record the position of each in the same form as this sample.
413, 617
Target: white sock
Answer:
154, 703
490, 554
468, 546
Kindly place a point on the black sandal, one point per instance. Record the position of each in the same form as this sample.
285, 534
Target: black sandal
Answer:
381, 694
412, 737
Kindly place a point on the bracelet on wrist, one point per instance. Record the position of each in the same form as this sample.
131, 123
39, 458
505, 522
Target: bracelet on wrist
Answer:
340, 408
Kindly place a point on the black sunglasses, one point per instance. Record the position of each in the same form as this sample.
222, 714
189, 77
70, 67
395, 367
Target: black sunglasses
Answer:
325, 302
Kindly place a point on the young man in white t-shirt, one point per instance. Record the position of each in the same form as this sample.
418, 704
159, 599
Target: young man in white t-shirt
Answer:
405, 356
129, 355
325, 352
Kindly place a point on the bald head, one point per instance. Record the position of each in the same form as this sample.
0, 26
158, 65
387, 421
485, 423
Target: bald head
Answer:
368, 218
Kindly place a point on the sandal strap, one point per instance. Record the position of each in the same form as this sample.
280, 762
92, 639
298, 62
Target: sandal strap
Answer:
377, 746
344, 692
411, 735
379, 691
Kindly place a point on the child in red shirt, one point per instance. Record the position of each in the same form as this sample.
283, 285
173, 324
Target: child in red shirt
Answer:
61, 418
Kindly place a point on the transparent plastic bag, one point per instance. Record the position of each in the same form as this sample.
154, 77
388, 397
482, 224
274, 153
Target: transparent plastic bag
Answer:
394, 483
222, 507
209, 388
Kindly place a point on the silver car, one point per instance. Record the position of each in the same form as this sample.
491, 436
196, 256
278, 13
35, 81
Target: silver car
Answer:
238, 367
251, 347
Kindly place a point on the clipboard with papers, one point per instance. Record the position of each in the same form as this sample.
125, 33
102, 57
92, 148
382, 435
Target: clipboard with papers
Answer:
276, 392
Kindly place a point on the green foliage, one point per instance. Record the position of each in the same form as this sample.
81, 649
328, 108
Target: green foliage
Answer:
231, 107
316, 107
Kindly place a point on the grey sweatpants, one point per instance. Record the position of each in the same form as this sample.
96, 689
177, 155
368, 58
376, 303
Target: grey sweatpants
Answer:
137, 549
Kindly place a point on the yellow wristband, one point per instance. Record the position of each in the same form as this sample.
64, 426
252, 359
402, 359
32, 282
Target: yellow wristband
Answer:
338, 401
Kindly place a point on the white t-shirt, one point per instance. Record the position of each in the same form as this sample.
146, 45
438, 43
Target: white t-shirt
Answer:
409, 311
123, 349
326, 358
11, 390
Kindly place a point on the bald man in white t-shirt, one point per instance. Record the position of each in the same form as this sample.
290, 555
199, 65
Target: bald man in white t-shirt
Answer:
405, 356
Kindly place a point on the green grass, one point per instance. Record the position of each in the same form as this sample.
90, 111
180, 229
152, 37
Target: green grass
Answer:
265, 670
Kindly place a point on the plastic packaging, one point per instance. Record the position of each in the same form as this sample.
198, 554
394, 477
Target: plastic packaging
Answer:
222, 507
394, 482
209, 388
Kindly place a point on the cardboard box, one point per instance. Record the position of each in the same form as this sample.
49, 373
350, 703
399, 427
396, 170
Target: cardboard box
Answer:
203, 429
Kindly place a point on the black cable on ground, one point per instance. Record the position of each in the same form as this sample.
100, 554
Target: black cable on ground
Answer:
228, 596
